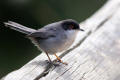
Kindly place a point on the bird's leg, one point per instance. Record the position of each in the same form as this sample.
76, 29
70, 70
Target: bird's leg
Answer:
48, 56
58, 58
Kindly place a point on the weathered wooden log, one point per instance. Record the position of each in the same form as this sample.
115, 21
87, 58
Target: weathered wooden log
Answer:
95, 55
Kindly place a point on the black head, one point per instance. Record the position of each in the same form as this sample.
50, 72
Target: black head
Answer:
70, 24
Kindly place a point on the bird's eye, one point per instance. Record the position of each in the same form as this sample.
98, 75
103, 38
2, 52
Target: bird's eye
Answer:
71, 26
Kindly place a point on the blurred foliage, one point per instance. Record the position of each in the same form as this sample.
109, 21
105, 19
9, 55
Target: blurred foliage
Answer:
15, 49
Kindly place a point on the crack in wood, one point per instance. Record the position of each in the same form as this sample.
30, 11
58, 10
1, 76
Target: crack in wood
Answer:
64, 72
79, 66
103, 22
83, 76
95, 67
49, 67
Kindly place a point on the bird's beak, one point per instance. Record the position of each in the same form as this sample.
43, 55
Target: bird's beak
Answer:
81, 29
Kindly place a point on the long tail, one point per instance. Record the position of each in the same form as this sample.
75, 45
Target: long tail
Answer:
19, 27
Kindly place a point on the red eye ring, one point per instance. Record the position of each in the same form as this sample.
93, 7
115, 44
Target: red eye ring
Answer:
71, 26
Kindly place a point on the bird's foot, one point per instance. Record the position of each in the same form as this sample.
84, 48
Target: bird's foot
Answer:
52, 63
60, 61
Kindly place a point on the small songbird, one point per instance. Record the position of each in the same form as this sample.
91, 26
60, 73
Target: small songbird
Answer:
52, 38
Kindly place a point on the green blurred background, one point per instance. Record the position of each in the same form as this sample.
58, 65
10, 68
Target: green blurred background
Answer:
15, 49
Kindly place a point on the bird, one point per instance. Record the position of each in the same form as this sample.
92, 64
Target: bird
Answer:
52, 38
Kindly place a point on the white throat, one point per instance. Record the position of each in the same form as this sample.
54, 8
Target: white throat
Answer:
71, 32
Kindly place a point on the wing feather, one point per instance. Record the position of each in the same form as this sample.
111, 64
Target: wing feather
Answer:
43, 34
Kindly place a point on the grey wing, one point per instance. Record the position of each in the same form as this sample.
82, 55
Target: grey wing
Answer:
43, 34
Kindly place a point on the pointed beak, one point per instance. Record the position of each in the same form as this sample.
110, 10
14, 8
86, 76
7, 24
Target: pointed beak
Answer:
81, 29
